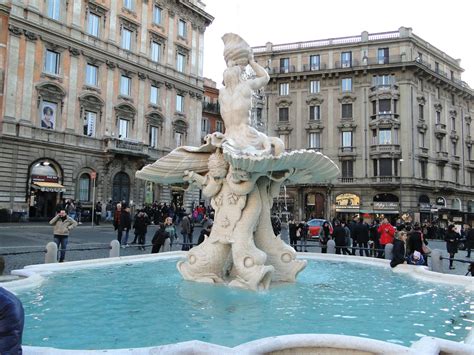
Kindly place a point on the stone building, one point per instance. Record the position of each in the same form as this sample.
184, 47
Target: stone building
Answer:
211, 115
390, 109
91, 91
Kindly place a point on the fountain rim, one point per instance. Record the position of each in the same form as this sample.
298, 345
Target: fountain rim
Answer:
34, 275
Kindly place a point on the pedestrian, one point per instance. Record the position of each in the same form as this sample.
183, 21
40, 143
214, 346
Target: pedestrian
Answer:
415, 242
303, 229
119, 224
140, 224
71, 209
109, 207
205, 233
12, 321
63, 224
361, 236
375, 238
170, 228
292, 230
159, 239
187, 232
324, 236
386, 232
399, 250
79, 212
451, 238
339, 234
98, 213
469, 241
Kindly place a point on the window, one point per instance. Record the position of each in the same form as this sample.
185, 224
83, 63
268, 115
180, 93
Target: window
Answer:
283, 114
385, 106
179, 138
285, 138
314, 140
154, 94
347, 168
51, 62
385, 136
438, 117
157, 15
347, 84
314, 62
91, 75
456, 175
453, 123
383, 80
453, 99
125, 85
153, 137
436, 67
126, 39
54, 9
90, 119
314, 87
421, 112
180, 103
155, 51
346, 59
123, 128
84, 187
205, 125
93, 24
422, 139
284, 65
180, 62
347, 139
385, 166
220, 126
440, 145
454, 148
346, 110
128, 4
182, 28
315, 112
382, 56
284, 89
441, 172
423, 169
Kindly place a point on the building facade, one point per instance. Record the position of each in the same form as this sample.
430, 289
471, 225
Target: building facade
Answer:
90, 92
390, 109
211, 113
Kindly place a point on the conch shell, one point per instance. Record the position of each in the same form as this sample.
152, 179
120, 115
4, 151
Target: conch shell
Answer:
236, 50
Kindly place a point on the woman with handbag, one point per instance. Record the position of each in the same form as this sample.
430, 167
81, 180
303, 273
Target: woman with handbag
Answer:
451, 239
417, 243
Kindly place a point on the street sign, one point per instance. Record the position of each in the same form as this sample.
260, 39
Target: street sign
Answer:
93, 175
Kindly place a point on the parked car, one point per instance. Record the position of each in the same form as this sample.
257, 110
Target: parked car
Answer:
314, 226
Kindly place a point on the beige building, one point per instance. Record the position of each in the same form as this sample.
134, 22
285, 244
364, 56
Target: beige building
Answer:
91, 91
390, 109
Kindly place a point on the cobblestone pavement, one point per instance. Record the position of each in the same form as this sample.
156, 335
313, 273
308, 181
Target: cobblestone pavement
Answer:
33, 237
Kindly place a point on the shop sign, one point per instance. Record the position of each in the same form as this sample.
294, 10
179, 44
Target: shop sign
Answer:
457, 219
44, 178
385, 205
441, 201
347, 201
425, 206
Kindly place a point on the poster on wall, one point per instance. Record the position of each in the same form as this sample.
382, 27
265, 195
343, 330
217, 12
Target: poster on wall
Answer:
48, 115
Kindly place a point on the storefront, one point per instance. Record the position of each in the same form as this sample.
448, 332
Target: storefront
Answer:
424, 205
386, 206
45, 189
347, 206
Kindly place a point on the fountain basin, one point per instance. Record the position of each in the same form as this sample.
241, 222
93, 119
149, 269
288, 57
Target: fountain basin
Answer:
75, 298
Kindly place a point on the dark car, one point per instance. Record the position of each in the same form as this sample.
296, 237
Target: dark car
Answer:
314, 226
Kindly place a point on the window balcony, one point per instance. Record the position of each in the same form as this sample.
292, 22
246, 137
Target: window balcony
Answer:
386, 179
346, 64
282, 70
211, 107
442, 156
347, 180
385, 149
127, 147
309, 67
394, 59
440, 129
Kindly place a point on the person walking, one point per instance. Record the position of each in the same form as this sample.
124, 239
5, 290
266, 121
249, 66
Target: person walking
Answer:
109, 207
159, 239
140, 224
292, 229
339, 234
119, 221
98, 213
386, 232
79, 212
324, 236
71, 209
187, 232
361, 236
303, 228
63, 224
469, 241
451, 239
170, 228
374, 236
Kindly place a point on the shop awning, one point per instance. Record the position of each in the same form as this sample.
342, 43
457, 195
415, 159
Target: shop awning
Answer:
48, 186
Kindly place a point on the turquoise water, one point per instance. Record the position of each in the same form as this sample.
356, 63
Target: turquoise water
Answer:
148, 304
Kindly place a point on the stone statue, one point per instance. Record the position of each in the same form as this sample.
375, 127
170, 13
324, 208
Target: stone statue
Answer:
241, 172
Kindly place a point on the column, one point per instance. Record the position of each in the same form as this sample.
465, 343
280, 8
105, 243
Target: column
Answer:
194, 49
144, 21
72, 94
12, 76
27, 98
171, 40
76, 13
109, 102
140, 111
201, 53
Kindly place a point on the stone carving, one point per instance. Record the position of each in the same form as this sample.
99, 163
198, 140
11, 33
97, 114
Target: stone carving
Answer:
241, 172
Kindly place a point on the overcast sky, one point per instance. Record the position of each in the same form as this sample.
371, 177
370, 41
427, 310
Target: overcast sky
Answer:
447, 25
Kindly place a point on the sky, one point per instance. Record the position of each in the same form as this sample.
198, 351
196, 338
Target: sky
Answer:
445, 25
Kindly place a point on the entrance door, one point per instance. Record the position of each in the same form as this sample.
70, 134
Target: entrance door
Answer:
121, 187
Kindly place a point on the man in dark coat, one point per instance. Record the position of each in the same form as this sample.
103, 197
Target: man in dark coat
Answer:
361, 236
399, 250
122, 221
415, 241
159, 239
187, 232
339, 235
140, 224
469, 241
12, 320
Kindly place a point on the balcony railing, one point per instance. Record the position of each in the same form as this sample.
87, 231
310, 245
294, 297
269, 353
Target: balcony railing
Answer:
384, 148
442, 156
211, 107
347, 151
386, 179
283, 70
346, 180
440, 128
127, 146
309, 67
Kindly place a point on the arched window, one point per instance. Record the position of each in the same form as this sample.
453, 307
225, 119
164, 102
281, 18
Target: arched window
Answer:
84, 187
121, 187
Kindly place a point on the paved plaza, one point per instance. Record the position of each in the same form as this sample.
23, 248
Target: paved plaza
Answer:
24, 244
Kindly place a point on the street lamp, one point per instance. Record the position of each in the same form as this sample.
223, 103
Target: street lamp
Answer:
400, 175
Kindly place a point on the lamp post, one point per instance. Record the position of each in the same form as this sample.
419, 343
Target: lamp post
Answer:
400, 175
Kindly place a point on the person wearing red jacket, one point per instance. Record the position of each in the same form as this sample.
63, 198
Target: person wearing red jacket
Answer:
386, 232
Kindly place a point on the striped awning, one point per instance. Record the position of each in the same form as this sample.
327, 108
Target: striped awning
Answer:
48, 186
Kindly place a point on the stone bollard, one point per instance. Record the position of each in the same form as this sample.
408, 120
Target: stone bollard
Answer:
388, 251
51, 253
436, 262
114, 249
166, 246
331, 247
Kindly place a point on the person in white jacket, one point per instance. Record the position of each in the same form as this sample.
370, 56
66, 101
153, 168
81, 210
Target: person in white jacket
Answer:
63, 224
